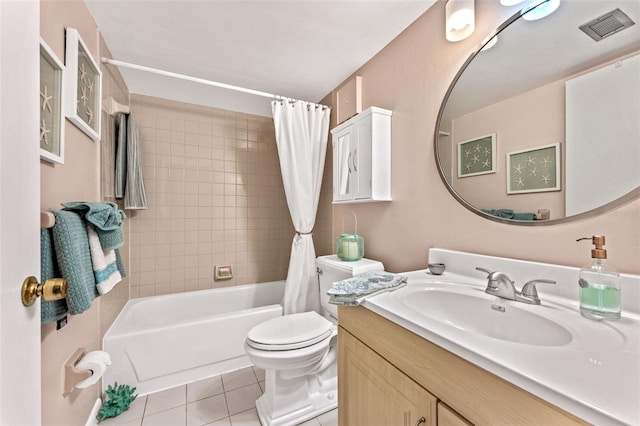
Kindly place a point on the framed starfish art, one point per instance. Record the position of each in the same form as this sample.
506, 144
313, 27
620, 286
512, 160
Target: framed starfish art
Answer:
534, 170
477, 156
83, 86
51, 116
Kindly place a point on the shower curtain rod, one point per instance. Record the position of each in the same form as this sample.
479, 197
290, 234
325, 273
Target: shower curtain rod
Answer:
199, 80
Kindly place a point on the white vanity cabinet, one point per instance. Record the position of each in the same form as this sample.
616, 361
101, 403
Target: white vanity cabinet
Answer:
362, 158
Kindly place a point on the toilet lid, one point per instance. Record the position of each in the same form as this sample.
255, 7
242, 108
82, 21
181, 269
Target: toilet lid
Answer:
290, 332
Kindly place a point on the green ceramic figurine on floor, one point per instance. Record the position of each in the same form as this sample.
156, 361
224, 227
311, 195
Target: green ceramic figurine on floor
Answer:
119, 398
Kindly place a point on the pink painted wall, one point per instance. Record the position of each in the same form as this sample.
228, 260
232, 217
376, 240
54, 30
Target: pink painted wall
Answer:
410, 76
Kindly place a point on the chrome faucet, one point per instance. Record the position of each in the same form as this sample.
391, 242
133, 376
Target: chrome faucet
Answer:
500, 285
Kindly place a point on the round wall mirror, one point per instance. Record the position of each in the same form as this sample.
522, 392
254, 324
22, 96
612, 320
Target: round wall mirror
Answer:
543, 126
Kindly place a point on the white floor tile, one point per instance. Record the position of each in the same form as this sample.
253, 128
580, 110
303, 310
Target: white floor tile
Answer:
207, 402
204, 389
136, 422
243, 399
221, 422
259, 372
166, 399
329, 419
246, 418
173, 417
206, 410
133, 414
238, 379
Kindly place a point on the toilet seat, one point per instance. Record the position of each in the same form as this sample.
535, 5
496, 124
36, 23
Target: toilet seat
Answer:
290, 332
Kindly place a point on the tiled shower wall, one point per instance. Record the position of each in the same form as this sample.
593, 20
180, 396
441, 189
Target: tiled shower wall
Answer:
215, 197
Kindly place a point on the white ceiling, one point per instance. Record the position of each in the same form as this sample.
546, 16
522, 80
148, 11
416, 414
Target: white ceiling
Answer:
301, 49
530, 54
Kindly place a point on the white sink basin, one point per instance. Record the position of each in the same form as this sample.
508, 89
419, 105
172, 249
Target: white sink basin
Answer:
472, 310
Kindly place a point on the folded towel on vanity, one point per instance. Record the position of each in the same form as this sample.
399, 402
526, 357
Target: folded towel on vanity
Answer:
72, 253
105, 268
105, 217
56, 309
353, 291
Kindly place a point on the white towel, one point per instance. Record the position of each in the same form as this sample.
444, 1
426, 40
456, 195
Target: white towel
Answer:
353, 291
105, 268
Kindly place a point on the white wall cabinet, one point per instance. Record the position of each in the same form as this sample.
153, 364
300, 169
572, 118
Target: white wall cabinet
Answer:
362, 158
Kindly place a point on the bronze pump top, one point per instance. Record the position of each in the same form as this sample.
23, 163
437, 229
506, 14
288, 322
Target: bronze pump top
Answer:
598, 241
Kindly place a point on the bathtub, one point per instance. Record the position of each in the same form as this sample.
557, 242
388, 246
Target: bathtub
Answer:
164, 341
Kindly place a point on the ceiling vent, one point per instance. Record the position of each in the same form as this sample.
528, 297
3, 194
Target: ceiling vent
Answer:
607, 24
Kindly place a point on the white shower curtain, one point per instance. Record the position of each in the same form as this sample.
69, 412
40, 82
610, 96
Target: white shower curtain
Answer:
301, 135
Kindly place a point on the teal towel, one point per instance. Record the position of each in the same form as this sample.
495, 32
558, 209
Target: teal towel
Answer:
120, 264
54, 310
510, 214
105, 217
71, 245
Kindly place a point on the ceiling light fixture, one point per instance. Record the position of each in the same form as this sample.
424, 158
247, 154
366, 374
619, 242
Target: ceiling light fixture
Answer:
460, 19
539, 9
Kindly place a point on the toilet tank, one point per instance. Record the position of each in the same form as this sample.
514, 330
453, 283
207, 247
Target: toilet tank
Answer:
332, 269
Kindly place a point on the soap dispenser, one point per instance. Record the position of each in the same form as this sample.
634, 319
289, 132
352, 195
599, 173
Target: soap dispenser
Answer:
599, 285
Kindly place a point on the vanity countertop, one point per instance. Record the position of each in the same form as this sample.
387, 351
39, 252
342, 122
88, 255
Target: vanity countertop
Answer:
595, 375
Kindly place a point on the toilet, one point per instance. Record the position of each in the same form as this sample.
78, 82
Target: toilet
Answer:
299, 353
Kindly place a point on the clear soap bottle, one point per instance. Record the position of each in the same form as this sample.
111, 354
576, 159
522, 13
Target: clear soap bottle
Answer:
599, 285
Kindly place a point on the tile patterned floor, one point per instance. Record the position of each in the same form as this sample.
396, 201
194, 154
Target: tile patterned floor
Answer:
226, 400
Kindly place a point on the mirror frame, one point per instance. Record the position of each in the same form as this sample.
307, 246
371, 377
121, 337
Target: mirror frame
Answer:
625, 199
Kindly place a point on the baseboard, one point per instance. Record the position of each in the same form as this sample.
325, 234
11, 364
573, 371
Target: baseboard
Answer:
92, 421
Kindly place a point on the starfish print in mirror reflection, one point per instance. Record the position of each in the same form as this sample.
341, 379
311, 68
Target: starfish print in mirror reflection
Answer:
43, 132
477, 148
485, 163
546, 161
467, 153
83, 72
476, 159
520, 182
487, 151
90, 87
46, 105
518, 169
89, 115
468, 166
534, 171
531, 160
546, 179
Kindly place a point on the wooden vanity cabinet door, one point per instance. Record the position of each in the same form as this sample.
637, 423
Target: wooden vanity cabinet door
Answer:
448, 417
374, 392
